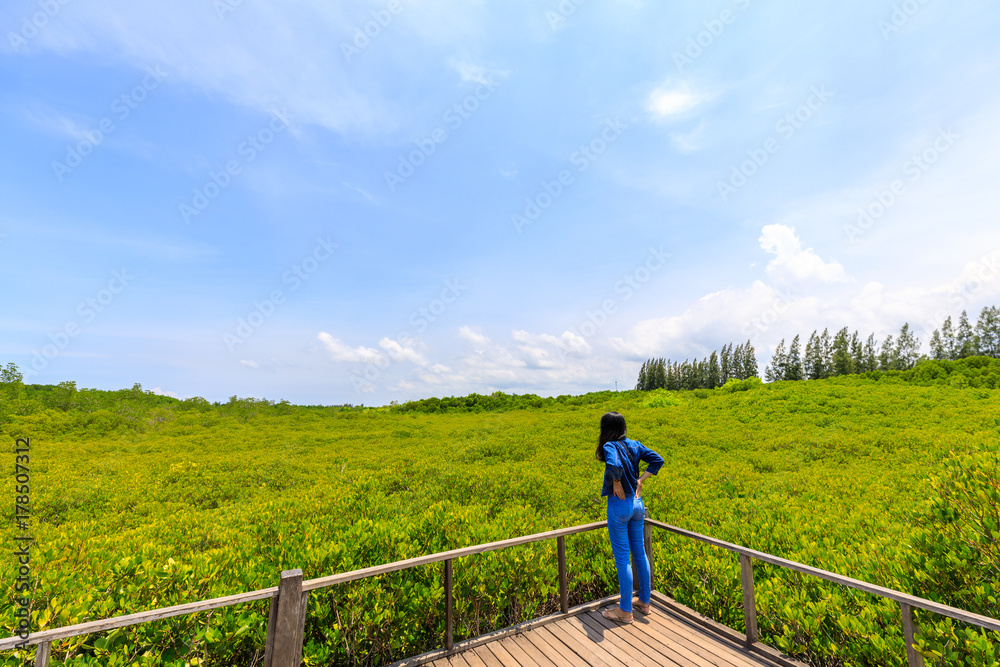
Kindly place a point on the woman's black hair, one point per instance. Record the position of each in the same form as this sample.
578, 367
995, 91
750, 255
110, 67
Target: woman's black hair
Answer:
612, 428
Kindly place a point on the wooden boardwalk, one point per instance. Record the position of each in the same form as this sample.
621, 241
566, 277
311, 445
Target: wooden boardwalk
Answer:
669, 636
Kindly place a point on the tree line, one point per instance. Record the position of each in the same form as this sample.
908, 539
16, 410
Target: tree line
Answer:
731, 363
845, 353
951, 342
826, 355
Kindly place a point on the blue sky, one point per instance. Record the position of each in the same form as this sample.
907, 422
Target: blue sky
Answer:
360, 202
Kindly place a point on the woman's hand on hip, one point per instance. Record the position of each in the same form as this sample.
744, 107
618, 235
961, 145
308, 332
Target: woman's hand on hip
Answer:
619, 490
638, 489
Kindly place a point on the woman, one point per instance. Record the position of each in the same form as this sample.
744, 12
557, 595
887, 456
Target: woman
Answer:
626, 513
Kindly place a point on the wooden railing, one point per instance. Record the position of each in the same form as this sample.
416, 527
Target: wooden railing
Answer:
906, 602
287, 616
286, 619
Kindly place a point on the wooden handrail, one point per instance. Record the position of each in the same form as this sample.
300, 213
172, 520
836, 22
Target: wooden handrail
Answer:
902, 598
344, 577
287, 617
116, 622
47, 636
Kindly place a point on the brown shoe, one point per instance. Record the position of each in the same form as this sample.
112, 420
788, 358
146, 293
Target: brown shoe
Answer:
616, 614
646, 609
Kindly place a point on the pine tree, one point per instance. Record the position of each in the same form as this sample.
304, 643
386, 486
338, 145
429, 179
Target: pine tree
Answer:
726, 363
750, 367
793, 365
887, 357
737, 363
988, 332
857, 353
674, 376
714, 372
907, 348
779, 360
690, 381
937, 347
965, 338
813, 361
871, 354
841, 362
826, 352
660, 374
948, 339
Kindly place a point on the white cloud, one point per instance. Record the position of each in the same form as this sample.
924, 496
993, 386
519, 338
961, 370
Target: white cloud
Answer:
791, 262
399, 352
474, 337
339, 351
249, 363
59, 125
665, 102
159, 392
270, 54
727, 315
476, 73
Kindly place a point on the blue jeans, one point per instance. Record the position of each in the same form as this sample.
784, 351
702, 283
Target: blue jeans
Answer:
625, 519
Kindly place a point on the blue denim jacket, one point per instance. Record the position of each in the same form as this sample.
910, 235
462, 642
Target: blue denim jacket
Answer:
621, 462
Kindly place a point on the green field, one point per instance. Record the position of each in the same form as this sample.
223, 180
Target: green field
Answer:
142, 502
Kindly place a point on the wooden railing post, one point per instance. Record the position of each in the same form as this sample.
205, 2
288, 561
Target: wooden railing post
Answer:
647, 542
449, 619
287, 622
563, 578
42, 655
913, 658
749, 600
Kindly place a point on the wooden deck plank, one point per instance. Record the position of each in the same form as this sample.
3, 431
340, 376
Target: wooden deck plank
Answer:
513, 646
663, 628
691, 655
633, 636
540, 658
501, 653
671, 636
486, 656
589, 653
559, 656
574, 652
637, 635
597, 641
615, 637
473, 659
719, 649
